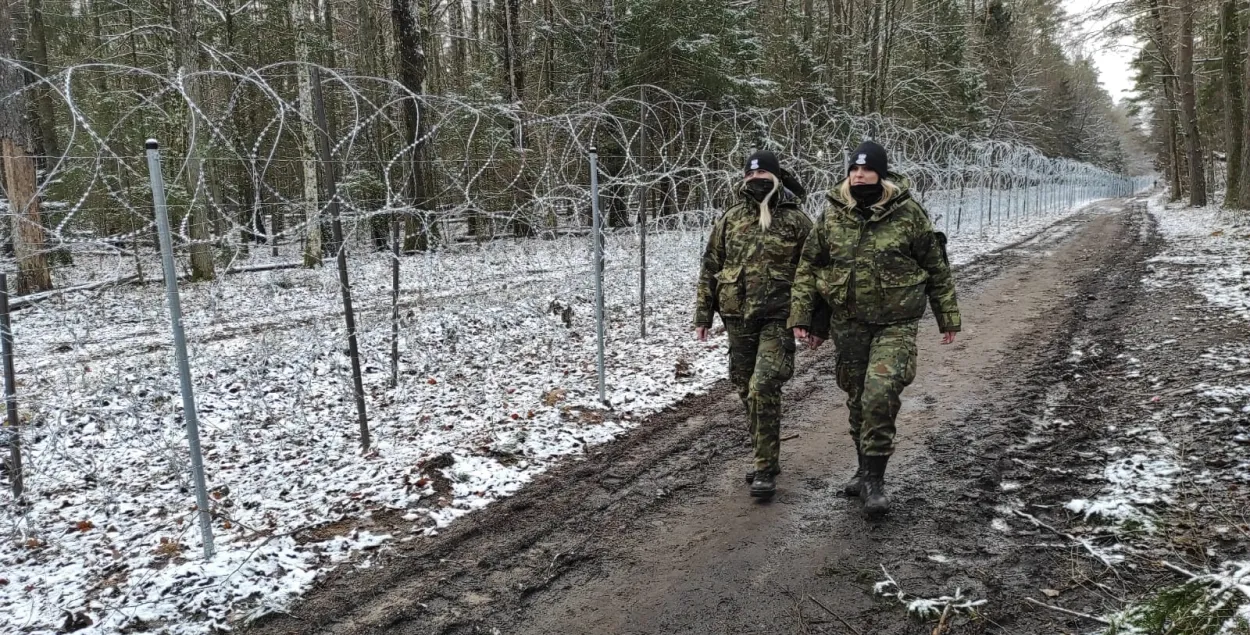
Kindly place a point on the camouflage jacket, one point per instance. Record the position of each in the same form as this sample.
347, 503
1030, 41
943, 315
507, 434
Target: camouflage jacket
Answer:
878, 270
747, 272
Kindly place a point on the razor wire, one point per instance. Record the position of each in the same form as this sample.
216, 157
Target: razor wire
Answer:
490, 169
496, 290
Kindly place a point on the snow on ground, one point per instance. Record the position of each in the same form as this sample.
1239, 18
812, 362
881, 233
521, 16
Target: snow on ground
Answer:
972, 243
1208, 250
497, 384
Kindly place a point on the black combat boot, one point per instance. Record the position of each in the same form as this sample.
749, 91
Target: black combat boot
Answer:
872, 486
764, 485
852, 486
751, 474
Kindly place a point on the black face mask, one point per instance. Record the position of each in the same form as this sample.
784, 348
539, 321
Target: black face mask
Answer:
758, 189
867, 194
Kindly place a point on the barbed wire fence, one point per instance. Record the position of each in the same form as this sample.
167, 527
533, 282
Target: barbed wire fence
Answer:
490, 206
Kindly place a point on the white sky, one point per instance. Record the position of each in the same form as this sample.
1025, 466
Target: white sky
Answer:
1111, 56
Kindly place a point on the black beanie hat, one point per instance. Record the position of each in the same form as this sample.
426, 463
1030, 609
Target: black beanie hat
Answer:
763, 160
871, 156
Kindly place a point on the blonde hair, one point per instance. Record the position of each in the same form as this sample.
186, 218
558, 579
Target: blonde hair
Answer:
766, 215
889, 190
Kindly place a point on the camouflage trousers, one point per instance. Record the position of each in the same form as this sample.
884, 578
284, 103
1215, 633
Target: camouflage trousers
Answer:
875, 363
761, 360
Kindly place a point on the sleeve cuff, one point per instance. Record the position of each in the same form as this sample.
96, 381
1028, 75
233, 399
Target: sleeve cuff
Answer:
949, 322
799, 322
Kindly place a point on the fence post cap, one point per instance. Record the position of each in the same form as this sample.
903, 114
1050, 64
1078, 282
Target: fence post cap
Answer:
151, 144
594, 150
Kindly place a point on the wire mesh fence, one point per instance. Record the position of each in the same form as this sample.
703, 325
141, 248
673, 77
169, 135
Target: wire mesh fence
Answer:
496, 342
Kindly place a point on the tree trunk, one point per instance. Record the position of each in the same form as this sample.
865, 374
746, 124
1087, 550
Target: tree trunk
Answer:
547, 82
605, 58
808, 19
1230, 36
432, 44
508, 30
16, 143
887, 45
37, 47
611, 151
475, 28
1164, 70
409, 37
28, 237
872, 37
188, 51
459, 46
313, 252
1189, 109
1245, 133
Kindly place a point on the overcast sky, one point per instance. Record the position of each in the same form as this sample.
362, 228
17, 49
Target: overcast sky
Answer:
1112, 57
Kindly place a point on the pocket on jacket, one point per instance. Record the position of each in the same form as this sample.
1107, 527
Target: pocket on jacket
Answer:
831, 283
729, 292
902, 301
776, 296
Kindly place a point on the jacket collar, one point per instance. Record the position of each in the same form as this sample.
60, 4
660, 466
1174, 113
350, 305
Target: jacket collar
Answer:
878, 214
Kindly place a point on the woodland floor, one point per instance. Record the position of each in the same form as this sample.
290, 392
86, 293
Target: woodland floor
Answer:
1067, 406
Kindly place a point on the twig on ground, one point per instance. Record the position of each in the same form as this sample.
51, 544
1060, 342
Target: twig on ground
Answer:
844, 622
1068, 612
1189, 574
1038, 523
941, 625
789, 438
798, 609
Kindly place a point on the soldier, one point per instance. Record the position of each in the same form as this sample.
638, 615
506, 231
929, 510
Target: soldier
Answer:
748, 268
874, 258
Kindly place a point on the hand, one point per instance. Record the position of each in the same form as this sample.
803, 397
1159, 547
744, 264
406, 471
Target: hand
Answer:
948, 338
800, 333
814, 341
701, 333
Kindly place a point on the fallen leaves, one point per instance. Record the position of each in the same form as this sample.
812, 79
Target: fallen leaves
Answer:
554, 396
682, 368
168, 548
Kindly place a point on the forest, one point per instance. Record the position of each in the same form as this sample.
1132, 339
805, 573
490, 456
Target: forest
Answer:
474, 113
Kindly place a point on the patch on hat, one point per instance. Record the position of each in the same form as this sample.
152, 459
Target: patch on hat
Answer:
862, 160
755, 164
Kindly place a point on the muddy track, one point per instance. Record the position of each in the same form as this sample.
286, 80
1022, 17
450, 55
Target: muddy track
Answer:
654, 533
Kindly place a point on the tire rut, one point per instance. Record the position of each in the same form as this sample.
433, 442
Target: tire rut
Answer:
644, 526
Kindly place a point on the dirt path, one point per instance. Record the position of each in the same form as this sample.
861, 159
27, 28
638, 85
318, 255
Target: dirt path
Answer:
656, 534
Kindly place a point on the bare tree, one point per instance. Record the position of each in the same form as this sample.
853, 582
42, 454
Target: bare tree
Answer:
37, 51
1233, 107
508, 31
1245, 134
1189, 109
409, 36
186, 26
1166, 72
16, 144
301, 13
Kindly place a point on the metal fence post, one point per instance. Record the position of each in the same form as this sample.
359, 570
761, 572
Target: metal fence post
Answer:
642, 214
10, 392
180, 344
597, 236
330, 190
395, 225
